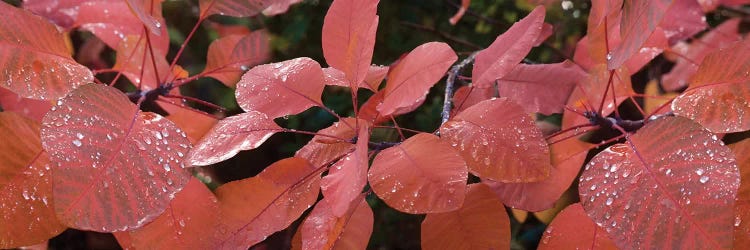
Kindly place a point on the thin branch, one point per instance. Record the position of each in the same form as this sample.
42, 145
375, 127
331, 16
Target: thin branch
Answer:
449, 86
443, 35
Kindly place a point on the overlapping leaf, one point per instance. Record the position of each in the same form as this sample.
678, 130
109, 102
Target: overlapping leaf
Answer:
499, 141
228, 137
742, 204
134, 61
30, 108
230, 56
375, 76
297, 84
347, 177
36, 62
481, 223
235, 8
118, 167
194, 122
542, 88
421, 175
330, 144
639, 20
573, 229
411, 79
507, 50
255, 208
324, 230
109, 21
683, 20
671, 185
26, 213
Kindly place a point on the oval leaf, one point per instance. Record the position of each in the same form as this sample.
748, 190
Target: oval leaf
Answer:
348, 176
672, 185
639, 20
230, 56
420, 175
481, 223
323, 230
297, 83
573, 229
119, 167
499, 141
541, 88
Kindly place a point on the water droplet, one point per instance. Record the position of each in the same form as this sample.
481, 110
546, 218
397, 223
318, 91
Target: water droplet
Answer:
704, 179
609, 201
79, 136
699, 171
77, 143
166, 167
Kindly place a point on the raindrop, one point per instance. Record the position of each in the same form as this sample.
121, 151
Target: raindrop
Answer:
593, 187
699, 171
166, 167
26, 194
79, 136
77, 143
704, 179
609, 201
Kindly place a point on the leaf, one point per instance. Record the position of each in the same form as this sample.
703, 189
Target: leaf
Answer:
36, 62
467, 96
722, 36
507, 50
541, 88
325, 148
499, 142
148, 12
683, 20
107, 21
375, 76
348, 37
134, 61
590, 94
194, 122
639, 20
547, 31
235, 8
26, 213
573, 229
411, 79
256, 207
118, 167
190, 221
230, 56
741, 150
460, 13
568, 156
421, 175
245, 131
347, 177
297, 83
279, 7
481, 223
654, 98
720, 91
323, 230
672, 185
29, 108
63, 12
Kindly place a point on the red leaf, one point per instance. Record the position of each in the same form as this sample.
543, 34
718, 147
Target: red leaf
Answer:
348, 176
62, 12
481, 223
460, 13
194, 122
591, 94
190, 221
29, 108
325, 148
687, 64
297, 83
235, 8
672, 185
573, 229
421, 175
149, 12
507, 50
375, 76
639, 20
118, 167
369, 110
542, 88
245, 131
109, 22
349, 38
256, 207
683, 20
411, 79
499, 142
134, 61
26, 201
568, 156
547, 31
279, 7
230, 56
324, 230
720, 91
36, 62
742, 204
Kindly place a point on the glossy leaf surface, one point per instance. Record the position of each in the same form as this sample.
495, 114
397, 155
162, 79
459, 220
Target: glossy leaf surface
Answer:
639, 20
499, 141
119, 167
233, 134
230, 56
36, 62
573, 229
235, 8
29, 108
324, 230
330, 144
741, 150
347, 177
542, 88
481, 223
671, 185
375, 76
421, 175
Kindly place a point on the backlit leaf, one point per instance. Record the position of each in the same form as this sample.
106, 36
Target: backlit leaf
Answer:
481, 223
233, 134
421, 175
134, 61
36, 62
119, 167
63, 12
194, 122
149, 12
499, 141
411, 79
26, 213
110, 22
507, 50
347, 177
720, 91
671, 185
683, 20
256, 207
573, 229
323, 230
230, 56
297, 83
639, 20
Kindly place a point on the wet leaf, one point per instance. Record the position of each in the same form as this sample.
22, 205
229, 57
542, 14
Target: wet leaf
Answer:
671, 185
323, 230
29, 108
134, 61
347, 177
541, 88
683, 19
194, 122
279, 7
421, 175
467, 96
149, 12
573, 229
235, 8
233, 134
230, 56
325, 148
742, 204
639, 20
375, 76
118, 167
109, 21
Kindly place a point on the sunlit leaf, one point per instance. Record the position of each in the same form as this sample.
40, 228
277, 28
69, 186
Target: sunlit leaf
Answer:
467, 96
421, 175
26, 213
481, 223
499, 141
118, 166
256, 207
323, 230
671, 185
230, 56
507, 50
233, 134
720, 91
411, 79
297, 84
35, 60
347, 177
573, 229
